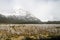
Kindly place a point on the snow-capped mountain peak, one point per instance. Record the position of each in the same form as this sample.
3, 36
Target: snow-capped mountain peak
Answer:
14, 12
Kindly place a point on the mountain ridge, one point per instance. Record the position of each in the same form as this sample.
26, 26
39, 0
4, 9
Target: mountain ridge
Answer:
21, 17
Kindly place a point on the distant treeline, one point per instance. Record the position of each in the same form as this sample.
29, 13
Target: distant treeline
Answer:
52, 22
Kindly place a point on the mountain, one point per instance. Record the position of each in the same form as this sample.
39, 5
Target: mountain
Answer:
19, 16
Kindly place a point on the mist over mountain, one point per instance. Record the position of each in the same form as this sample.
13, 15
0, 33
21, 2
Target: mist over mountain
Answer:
18, 16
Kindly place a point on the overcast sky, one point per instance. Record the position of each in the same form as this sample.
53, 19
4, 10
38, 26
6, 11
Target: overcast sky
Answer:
43, 9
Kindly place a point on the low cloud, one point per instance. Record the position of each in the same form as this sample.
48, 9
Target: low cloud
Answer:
42, 9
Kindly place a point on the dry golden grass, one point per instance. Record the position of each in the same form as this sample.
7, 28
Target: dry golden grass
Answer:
35, 31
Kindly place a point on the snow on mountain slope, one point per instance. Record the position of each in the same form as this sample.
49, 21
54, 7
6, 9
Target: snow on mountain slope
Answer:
13, 12
20, 15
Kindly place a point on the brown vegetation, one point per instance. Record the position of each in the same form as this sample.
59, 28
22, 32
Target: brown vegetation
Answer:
34, 31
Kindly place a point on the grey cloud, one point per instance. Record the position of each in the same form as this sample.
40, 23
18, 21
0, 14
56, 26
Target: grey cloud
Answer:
55, 11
